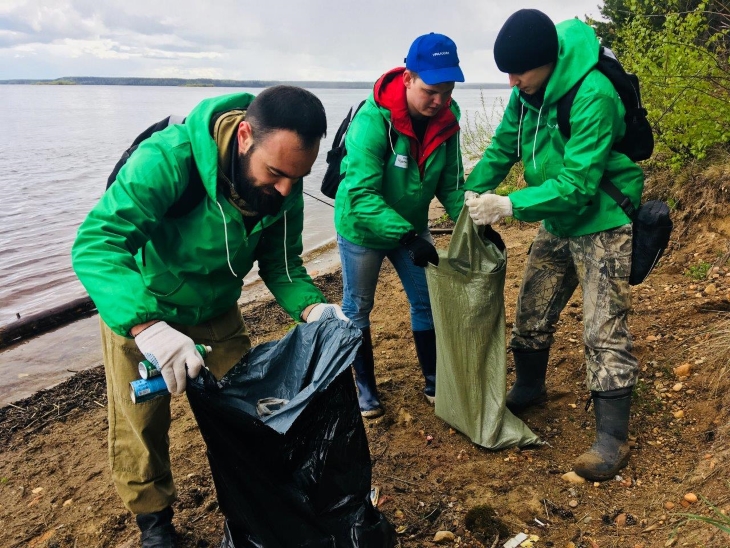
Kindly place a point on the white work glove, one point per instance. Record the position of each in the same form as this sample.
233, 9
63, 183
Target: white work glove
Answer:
469, 194
172, 352
324, 311
487, 209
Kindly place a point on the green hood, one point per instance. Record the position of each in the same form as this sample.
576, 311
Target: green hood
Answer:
577, 55
563, 175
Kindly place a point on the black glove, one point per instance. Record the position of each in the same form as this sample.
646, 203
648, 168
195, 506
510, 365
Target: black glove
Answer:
421, 251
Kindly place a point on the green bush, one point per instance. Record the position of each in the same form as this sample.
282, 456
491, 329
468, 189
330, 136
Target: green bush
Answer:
685, 75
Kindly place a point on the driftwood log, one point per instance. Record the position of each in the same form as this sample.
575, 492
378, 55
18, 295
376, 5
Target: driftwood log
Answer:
44, 321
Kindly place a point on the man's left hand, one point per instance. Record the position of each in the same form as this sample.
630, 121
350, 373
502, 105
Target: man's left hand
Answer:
324, 311
487, 209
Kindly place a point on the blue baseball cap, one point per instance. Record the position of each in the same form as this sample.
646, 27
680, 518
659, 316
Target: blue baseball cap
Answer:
433, 56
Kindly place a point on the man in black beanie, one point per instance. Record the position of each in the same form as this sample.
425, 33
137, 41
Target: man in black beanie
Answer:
585, 238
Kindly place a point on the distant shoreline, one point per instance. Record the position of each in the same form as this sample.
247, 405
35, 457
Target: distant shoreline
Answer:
207, 82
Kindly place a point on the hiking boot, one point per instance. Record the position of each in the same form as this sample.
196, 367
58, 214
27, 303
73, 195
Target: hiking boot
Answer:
157, 529
611, 451
426, 352
529, 388
364, 367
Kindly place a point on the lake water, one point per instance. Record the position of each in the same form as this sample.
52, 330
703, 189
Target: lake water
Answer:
58, 145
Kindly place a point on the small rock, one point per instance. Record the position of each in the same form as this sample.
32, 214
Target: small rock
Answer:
620, 520
37, 490
711, 289
442, 537
683, 370
404, 417
399, 514
68, 502
677, 387
596, 484
678, 414
669, 505
573, 503
572, 477
691, 498
570, 545
652, 338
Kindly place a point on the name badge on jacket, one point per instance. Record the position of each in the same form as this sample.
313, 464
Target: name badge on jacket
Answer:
401, 161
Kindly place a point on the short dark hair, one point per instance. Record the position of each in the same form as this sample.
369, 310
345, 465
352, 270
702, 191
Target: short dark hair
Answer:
291, 108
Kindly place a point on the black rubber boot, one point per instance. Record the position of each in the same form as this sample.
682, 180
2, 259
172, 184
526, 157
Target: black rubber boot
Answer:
157, 529
426, 352
529, 388
367, 390
611, 451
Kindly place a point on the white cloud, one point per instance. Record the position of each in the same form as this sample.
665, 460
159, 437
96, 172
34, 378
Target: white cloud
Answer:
275, 39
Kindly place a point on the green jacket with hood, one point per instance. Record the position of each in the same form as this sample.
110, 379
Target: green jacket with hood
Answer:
563, 175
138, 265
384, 195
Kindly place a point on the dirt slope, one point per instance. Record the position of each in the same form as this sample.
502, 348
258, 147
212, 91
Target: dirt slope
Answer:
55, 488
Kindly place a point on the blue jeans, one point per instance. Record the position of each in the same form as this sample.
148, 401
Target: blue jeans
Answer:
360, 272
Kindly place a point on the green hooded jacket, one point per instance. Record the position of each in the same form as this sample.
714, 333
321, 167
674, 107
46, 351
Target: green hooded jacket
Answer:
563, 175
384, 195
138, 265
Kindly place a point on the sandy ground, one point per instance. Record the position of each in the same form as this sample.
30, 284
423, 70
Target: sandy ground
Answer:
55, 488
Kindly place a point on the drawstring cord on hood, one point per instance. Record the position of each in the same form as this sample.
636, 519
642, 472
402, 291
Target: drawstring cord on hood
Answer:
458, 167
225, 233
390, 131
286, 259
519, 128
534, 143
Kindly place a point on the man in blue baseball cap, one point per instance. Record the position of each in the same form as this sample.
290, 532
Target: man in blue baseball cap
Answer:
402, 150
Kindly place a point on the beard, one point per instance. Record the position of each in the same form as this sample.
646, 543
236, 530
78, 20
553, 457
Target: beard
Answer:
262, 199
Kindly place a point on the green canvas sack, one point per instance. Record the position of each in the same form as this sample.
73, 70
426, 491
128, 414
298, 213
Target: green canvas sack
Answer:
467, 301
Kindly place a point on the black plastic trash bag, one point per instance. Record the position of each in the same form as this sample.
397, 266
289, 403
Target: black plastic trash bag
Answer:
286, 444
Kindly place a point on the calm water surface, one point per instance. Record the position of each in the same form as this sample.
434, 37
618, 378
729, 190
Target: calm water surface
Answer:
57, 147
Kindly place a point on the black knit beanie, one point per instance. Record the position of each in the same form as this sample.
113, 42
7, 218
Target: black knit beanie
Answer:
527, 40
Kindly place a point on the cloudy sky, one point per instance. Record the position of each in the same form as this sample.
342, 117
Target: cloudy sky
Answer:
243, 39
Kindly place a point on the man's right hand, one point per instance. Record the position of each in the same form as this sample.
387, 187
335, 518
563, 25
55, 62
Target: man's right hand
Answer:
172, 352
420, 250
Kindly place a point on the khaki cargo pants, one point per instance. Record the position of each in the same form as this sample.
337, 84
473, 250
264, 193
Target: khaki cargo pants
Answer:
138, 433
601, 264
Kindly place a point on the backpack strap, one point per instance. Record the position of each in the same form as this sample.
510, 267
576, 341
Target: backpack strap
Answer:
565, 103
619, 197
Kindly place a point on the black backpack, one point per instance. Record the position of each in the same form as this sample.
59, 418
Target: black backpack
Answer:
194, 192
332, 177
638, 142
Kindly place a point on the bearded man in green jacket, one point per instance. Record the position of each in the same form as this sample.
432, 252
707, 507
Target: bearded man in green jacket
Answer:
163, 283
402, 150
585, 237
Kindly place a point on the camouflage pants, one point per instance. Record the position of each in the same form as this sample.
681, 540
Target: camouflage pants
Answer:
600, 263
